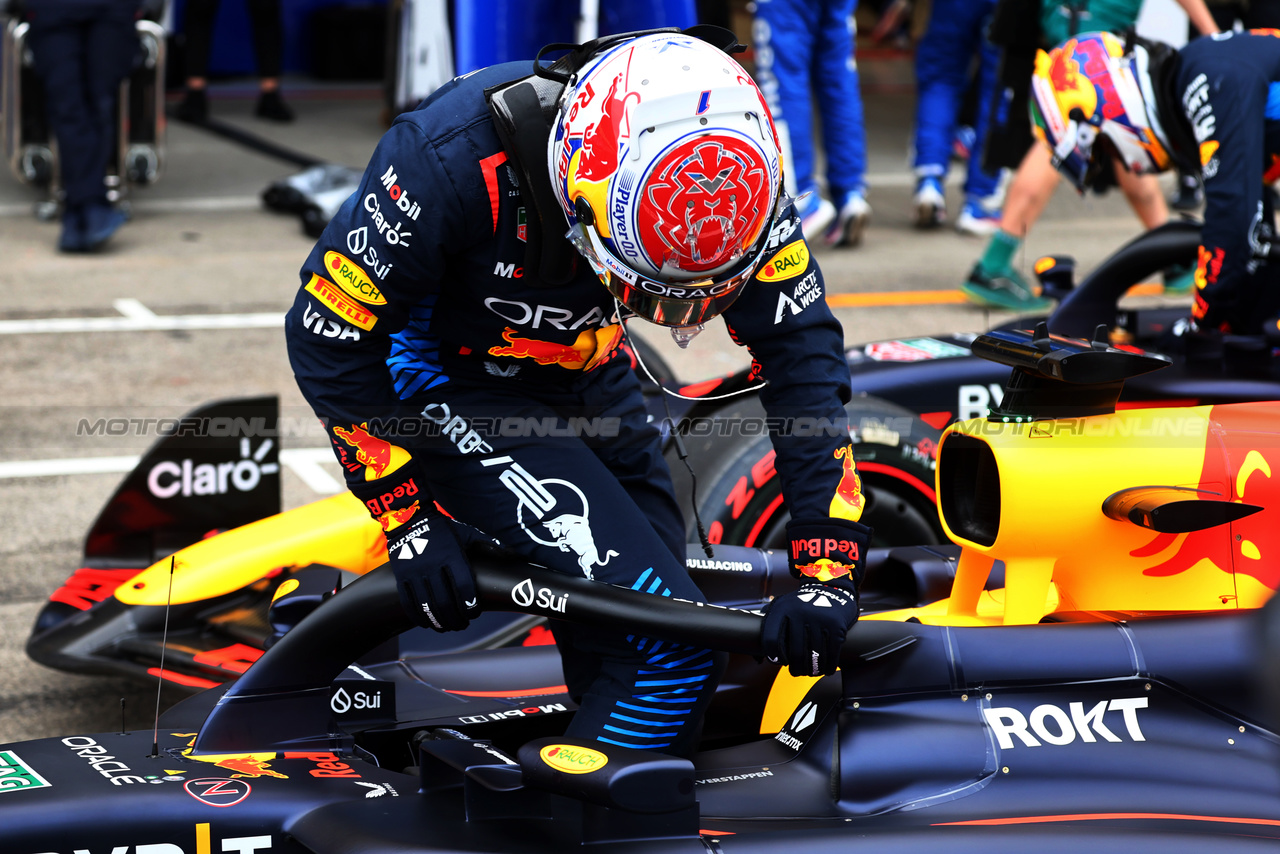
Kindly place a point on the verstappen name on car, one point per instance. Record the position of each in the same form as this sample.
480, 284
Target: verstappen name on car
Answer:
524, 595
410, 208
217, 791
169, 478
16, 775
731, 778
1051, 724
353, 279
513, 713
805, 294
108, 766
340, 303
204, 843
393, 234
320, 325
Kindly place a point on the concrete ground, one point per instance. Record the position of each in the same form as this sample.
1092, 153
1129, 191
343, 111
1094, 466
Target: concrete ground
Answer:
200, 244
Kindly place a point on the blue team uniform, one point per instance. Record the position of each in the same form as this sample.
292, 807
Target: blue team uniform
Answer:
957, 29
417, 324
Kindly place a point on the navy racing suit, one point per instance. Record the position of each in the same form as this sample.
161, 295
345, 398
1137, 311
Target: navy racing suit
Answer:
1224, 94
426, 348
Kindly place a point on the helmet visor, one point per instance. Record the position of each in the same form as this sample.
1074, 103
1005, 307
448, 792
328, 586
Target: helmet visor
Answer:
671, 303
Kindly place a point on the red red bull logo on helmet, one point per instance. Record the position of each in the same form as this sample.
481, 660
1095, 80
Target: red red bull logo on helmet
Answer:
1080, 72
701, 209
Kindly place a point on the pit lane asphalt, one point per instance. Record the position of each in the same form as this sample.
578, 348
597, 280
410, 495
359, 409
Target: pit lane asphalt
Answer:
201, 244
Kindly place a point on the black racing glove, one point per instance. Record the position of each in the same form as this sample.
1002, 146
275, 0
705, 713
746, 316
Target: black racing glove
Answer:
827, 548
433, 575
805, 629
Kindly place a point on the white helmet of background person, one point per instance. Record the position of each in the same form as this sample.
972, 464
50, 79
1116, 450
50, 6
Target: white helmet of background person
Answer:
1091, 104
665, 160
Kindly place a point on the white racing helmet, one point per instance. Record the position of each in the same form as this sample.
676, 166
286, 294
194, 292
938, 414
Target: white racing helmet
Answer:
665, 160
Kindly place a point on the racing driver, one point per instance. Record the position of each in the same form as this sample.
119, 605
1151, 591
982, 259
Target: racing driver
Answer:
453, 334
1212, 108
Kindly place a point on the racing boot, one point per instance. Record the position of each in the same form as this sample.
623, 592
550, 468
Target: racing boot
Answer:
1004, 288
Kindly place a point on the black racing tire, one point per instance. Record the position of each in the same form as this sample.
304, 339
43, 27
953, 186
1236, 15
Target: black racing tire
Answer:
739, 495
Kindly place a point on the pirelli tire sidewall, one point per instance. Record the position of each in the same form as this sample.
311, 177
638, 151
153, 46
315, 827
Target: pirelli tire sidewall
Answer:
739, 494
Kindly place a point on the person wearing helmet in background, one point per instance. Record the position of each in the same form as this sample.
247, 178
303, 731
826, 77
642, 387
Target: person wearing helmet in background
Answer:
1211, 107
453, 334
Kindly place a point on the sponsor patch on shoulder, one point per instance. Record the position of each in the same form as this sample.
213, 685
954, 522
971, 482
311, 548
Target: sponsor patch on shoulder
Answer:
340, 303
913, 350
791, 261
352, 278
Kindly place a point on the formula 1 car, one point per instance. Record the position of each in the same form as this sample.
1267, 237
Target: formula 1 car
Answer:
1100, 687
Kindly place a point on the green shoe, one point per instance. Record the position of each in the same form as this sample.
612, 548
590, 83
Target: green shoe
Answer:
1007, 290
1179, 278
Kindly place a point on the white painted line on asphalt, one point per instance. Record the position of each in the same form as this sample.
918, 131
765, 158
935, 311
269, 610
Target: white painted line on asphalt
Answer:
160, 206
130, 307
53, 468
139, 322
306, 463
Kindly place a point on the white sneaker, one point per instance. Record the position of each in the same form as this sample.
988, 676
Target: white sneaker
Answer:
976, 220
852, 220
816, 213
930, 204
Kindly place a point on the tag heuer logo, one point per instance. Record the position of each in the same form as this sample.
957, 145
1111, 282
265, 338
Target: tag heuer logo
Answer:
16, 774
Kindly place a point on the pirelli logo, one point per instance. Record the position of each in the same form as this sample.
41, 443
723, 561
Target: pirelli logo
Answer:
329, 294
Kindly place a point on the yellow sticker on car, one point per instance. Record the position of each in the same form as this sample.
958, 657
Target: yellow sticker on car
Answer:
572, 759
